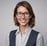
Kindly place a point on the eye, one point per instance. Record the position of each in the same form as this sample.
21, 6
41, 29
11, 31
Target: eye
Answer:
26, 13
19, 13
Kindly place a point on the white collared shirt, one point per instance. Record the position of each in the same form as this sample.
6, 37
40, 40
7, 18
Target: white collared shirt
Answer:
21, 40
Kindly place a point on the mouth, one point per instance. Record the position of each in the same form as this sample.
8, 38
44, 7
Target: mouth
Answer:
23, 21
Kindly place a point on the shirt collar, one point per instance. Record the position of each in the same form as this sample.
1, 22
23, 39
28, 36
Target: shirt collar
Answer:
27, 30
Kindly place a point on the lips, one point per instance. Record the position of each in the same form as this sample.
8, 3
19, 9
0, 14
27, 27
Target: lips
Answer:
23, 21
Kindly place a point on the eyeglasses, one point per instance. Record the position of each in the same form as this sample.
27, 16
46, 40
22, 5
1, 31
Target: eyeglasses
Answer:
21, 14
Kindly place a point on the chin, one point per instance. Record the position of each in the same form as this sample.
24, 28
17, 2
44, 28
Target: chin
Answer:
23, 24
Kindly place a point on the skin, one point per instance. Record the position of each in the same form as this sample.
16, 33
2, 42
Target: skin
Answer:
23, 20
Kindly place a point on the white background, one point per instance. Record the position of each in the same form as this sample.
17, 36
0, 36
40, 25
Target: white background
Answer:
7, 23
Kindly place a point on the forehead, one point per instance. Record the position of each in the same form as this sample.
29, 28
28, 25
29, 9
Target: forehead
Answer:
22, 9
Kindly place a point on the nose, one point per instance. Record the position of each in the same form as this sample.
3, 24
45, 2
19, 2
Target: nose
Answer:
23, 16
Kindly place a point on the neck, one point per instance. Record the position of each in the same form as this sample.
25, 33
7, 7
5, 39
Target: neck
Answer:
22, 28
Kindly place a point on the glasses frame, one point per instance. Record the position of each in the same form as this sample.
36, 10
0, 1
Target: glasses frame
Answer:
21, 13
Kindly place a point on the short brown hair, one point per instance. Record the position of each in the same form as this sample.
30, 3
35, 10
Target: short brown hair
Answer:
29, 8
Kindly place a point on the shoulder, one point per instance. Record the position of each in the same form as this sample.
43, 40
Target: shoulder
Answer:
35, 32
40, 40
12, 32
40, 36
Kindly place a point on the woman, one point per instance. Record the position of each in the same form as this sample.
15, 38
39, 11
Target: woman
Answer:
25, 19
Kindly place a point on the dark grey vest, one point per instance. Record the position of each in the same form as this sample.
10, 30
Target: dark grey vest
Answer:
31, 41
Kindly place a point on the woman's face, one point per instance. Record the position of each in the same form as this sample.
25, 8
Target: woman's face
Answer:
22, 16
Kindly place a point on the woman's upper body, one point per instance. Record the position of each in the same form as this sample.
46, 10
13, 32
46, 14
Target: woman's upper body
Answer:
26, 39
24, 18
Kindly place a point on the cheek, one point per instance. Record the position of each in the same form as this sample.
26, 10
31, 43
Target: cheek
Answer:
28, 18
18, 19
